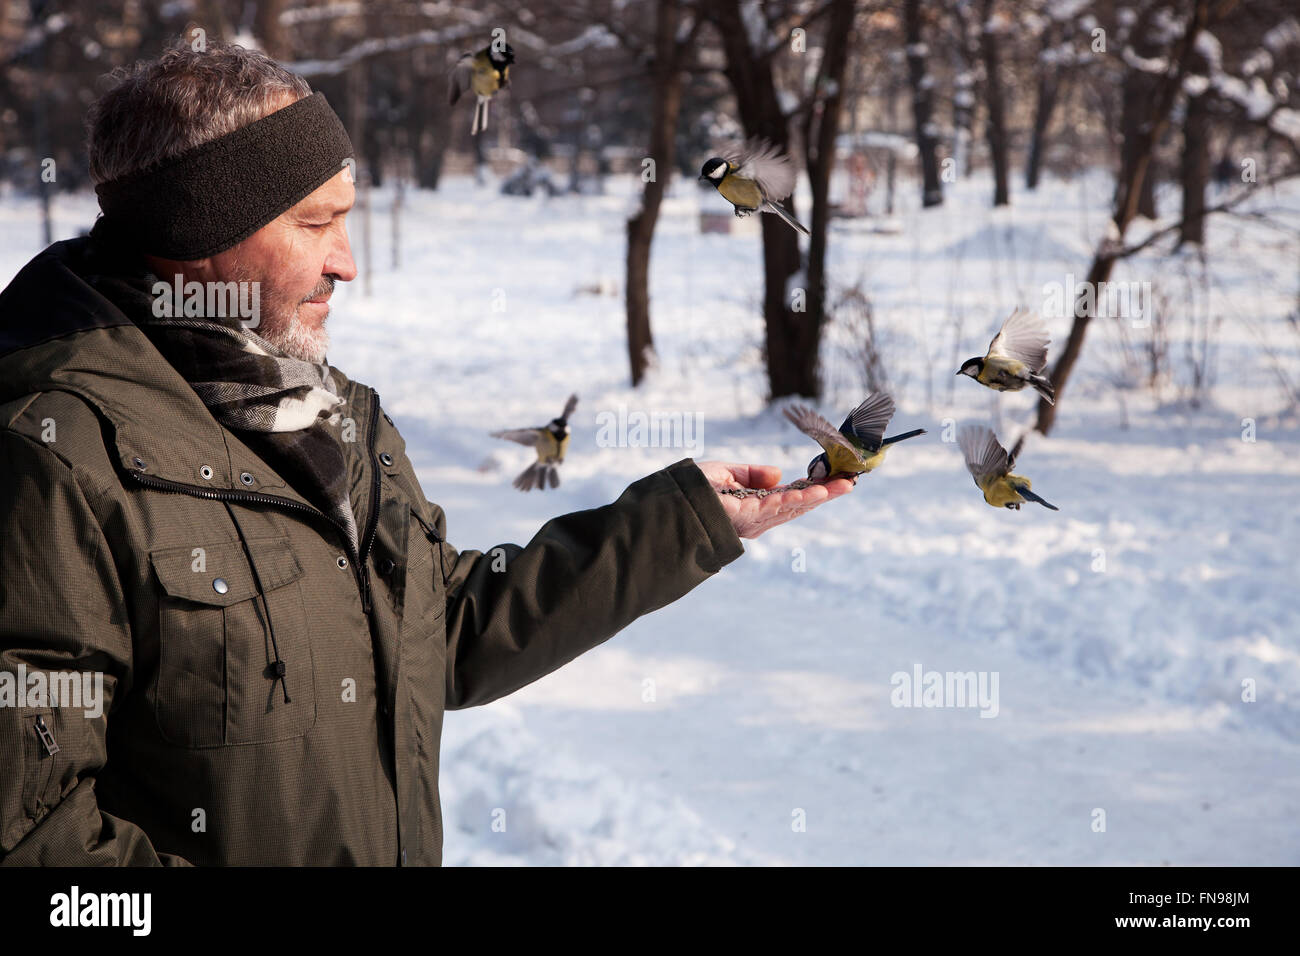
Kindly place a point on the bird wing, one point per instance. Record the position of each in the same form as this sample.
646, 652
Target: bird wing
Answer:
759, 160
525, 436
569, 406
1023, 337
1015, 452
818, 429
985, 457
458, 80
869, 420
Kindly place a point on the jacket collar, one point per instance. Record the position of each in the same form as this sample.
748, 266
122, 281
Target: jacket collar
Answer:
57, 333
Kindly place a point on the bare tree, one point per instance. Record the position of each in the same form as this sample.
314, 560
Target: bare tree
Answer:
1196, 151
820, 128
791, 367
1138, 148
666, 79
995, 123
1053, 68
927, 136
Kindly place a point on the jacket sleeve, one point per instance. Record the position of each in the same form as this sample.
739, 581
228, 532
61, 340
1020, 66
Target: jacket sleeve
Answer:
62, 612
516, 614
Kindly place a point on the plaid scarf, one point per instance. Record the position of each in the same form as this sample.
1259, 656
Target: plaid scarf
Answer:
283, 408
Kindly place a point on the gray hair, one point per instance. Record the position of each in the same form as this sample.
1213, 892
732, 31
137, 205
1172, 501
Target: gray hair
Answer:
161, 108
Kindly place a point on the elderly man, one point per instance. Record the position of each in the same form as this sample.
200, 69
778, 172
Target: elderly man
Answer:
225, 531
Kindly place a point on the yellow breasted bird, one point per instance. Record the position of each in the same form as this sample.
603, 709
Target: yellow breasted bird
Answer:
551, 441
753, 177
858, 446
1016, 357
485, 73
990, 466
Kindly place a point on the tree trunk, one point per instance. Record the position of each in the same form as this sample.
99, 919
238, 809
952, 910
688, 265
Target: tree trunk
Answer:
268, 28
927, 140
1196, 162
1128, 190
665, 105
791, 369
821, 125
1138, 92
1049, 86
996, 124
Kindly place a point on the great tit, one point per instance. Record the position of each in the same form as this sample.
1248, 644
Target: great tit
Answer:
990, 466
858, 446
1015, 358
753, 177
551, 442
484, 72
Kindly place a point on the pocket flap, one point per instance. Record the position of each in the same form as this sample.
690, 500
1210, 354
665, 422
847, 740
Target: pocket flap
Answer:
225, 577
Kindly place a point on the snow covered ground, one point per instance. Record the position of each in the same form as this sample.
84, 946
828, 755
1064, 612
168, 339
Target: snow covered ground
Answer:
1120, 629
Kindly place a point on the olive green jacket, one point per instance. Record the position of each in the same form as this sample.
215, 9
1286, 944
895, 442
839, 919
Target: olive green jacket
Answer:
142, 541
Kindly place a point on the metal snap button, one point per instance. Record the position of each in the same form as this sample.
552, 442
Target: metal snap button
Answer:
220, 586
245, 477
342, 562
206, 472
139, 463
386, 567
386, 458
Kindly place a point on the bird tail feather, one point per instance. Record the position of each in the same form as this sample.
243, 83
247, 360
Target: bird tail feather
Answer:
912, 434
538, 475
530, 477
1044, 387
1030, 496
769, 206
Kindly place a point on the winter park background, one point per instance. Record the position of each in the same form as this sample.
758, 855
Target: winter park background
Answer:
1124, 630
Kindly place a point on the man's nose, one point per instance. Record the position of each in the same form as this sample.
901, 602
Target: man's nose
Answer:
339, 262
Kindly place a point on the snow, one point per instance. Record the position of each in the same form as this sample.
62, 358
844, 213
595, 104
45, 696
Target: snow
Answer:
1121, 628
1283, 35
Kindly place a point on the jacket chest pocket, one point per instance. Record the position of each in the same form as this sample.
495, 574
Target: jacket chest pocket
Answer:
234, 660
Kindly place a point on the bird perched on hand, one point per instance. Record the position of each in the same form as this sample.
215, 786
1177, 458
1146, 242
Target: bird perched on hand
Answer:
858, 446
1015, 358
551, 442
753, 177
990, 466
485, 72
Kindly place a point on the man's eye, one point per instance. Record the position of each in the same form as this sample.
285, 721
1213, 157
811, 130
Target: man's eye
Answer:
317, 225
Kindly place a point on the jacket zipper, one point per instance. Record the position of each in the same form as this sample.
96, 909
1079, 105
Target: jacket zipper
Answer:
358, 563
47, 738
372, 520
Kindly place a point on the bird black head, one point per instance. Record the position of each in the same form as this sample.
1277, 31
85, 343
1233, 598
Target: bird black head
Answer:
819, 467
971, 367
714, 169
503, 56
558, 427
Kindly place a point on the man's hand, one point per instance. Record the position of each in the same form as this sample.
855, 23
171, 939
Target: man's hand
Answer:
754, 514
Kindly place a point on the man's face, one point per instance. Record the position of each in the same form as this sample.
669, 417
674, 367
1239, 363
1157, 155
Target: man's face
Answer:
296, 258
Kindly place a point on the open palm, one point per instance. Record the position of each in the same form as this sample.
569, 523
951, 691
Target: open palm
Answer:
753, 515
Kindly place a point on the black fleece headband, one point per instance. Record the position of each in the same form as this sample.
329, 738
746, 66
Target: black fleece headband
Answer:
218, 194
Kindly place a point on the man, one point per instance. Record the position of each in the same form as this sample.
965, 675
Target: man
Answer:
201, 513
